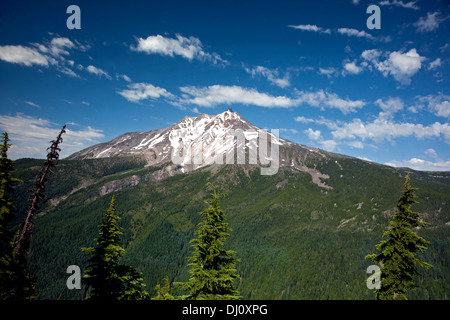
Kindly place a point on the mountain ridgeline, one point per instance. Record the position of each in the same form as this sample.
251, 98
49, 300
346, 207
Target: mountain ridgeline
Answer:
300, 233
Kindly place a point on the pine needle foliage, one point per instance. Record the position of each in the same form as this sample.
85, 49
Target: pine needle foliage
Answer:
164, 292
106, 277
397, 257
7, 209
213, 268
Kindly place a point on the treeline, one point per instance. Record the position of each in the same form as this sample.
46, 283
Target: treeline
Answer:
213, 271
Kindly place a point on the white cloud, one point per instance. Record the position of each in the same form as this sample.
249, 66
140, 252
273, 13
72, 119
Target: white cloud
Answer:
50, 53
432, 153
97, 71
428, 24
356, 133
351, 32
434, 64
329, 145
313, 134
371, 54
289, 130
188, 48
438, 104
352, 68
23, 55
218, 94
355, 33
322, 99
122, 76
399, 3
310, 27
402, 66
30, 136
271, 75
302, 119
422, 165
31, 103
329, 72
58, 46
382, 129
141, 91
355, 144
391, 105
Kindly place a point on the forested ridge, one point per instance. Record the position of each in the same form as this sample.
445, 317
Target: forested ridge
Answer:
293, 239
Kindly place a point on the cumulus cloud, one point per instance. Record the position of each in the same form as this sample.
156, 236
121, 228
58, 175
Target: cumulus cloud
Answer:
391, 105
188, 48
439, 104
329, 145
352, 68
382, 129
271, 75
30, 136
401, 66
313, 134
141, 91
357, 133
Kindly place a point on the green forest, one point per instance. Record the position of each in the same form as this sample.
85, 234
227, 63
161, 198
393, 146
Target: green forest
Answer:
282, 236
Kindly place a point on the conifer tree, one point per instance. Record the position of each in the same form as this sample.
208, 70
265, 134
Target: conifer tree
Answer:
6, 216
213, 268
164, 292
133, 285
108, 279
397, 257
22, 281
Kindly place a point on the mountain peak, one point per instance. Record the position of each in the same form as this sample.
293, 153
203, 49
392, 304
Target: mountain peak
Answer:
205, 137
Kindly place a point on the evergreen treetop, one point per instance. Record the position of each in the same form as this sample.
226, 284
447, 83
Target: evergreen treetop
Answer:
108, 279
213, 268
397, 256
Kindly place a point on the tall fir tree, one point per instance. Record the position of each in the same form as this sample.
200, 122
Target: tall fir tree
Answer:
107, 279
213, 268
397, 258
164, 292
7, 183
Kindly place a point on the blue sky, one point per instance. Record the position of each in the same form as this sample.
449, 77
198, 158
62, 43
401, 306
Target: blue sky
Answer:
312, 69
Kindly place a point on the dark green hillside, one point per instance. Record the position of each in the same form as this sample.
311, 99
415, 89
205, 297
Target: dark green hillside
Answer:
295, 240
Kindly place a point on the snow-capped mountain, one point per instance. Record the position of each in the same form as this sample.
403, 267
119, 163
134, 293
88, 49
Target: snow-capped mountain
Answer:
199, 141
